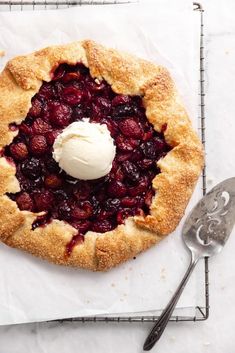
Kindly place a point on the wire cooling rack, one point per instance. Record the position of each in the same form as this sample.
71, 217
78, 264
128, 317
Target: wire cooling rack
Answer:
202, 311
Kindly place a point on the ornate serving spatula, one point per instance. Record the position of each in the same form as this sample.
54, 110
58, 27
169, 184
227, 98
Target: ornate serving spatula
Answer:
205, 232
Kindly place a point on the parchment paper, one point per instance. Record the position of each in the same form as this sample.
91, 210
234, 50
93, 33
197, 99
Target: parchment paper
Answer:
33, 290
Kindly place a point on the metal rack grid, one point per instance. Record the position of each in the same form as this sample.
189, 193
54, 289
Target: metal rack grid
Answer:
201, 312
50, 4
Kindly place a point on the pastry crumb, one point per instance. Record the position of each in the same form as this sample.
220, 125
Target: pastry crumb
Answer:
163, 273
130, 268
2, 53
112, 284
206, 344
126, 278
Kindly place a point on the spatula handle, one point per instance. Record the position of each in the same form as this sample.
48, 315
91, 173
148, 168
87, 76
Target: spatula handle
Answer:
160, 326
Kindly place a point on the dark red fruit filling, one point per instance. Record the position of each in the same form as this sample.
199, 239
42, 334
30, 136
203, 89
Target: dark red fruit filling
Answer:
98, 205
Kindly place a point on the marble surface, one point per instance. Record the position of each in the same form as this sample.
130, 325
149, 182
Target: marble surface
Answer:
217, 333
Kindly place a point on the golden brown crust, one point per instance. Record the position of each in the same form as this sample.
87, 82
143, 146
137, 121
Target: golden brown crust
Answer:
180, 169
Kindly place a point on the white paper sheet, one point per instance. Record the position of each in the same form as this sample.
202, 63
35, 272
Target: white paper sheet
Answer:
33, 290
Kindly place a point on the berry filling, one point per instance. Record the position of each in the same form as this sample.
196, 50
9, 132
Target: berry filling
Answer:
96, 205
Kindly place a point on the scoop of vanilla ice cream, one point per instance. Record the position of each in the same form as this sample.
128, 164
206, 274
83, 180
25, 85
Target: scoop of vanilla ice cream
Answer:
85, 150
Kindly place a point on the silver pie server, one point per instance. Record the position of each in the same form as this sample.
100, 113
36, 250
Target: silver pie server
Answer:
205, 232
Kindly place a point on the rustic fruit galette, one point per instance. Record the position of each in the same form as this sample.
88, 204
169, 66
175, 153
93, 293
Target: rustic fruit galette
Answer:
98, 156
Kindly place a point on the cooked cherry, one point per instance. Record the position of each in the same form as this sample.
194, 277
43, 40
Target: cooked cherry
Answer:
25, 129
96, 112
82, 191
40, 127
148, 198
51, 136
136, 156
25, 202
51, 165
129, 202
117, 174
38, 145
140, 188
19, 151
130, 128
64, 211
96, 205
82, 212
79, 213
103, 104
104, 215
43, 200
111, 125
79, 112
59, 72
27, 184
117, 188
46, 91
153, 148
145, 163
82, 226
126, 144
121, 99
160, 144
36, 183
13, 127
130, 170
102, 226
58, 88
61, 195
122, 110
36, 108
148, 135
59, 113
71, 95
112, 205
71, 76
123, 214
31, 168
149, 149
101, 193
121, 157
96, 87
53, 181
